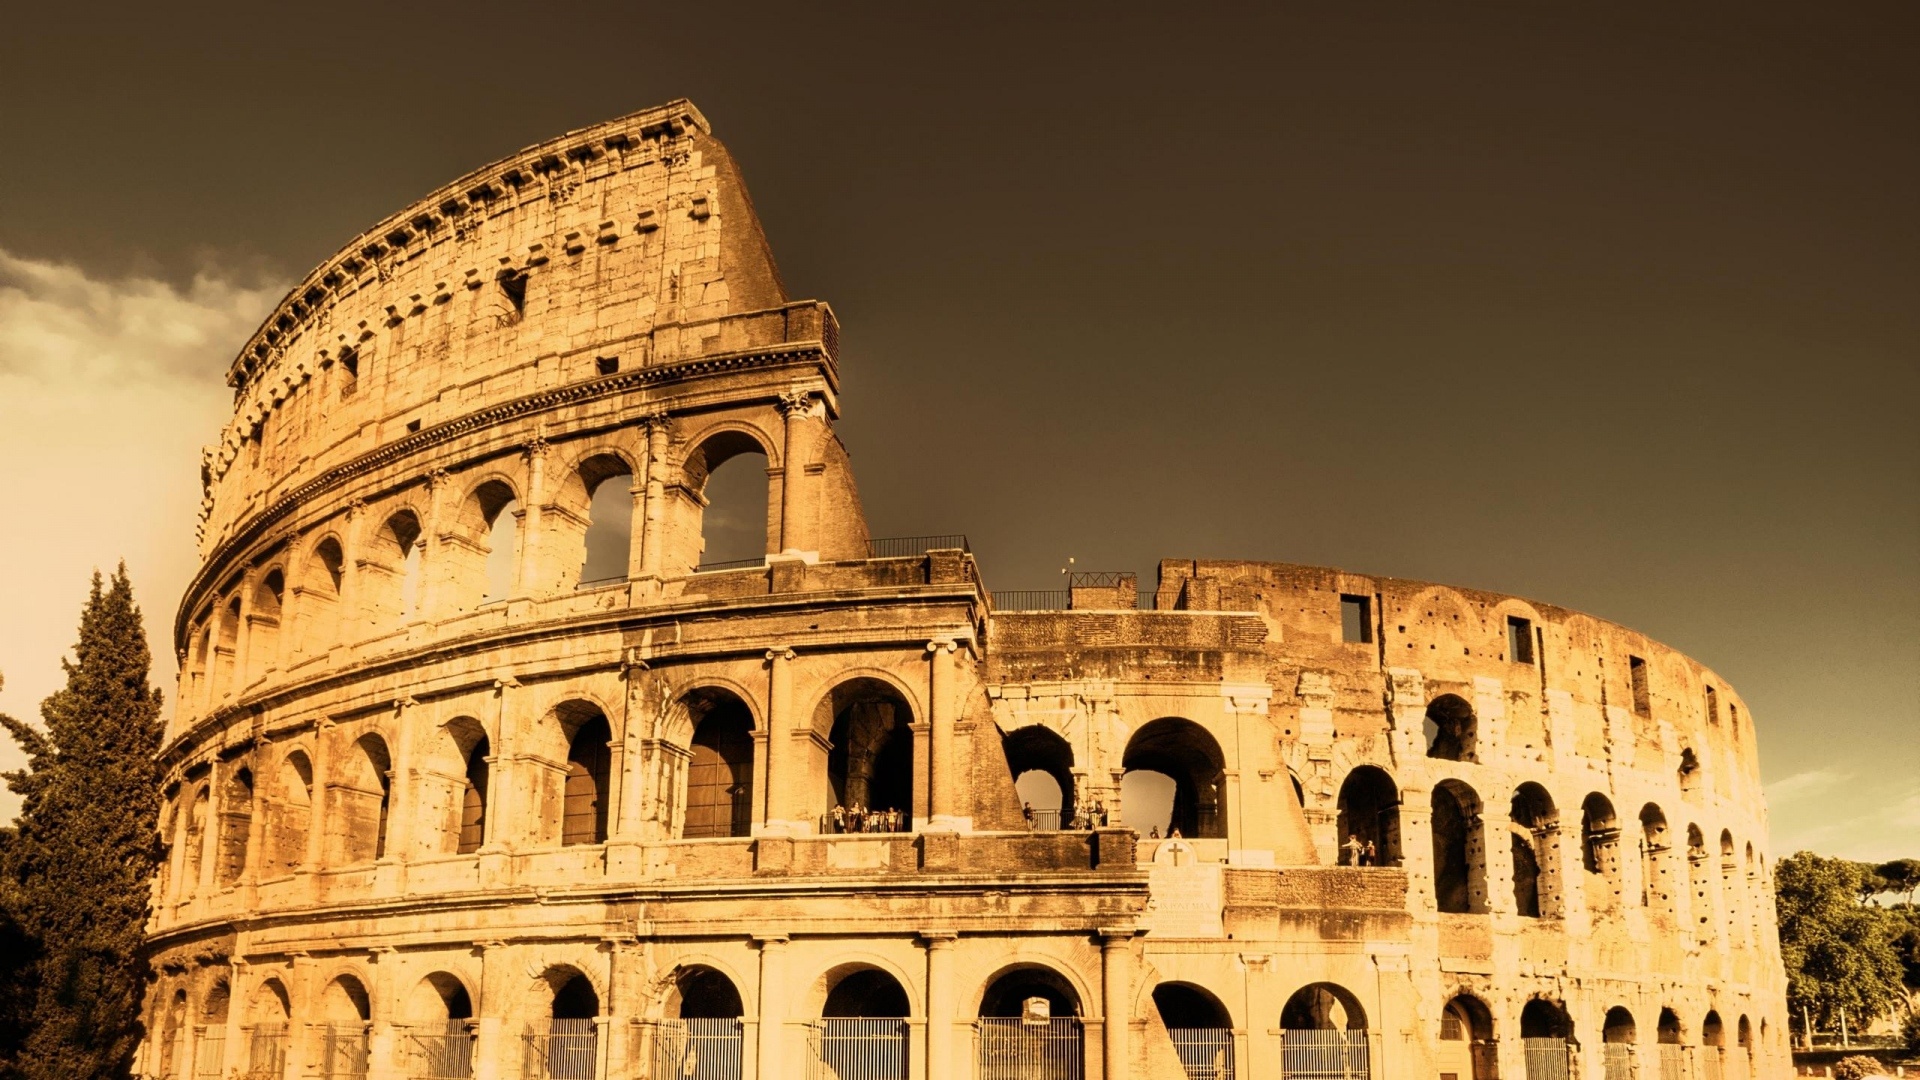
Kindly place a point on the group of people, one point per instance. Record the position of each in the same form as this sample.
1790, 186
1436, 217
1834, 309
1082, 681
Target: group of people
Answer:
861, 819
1359, 852
1084, 817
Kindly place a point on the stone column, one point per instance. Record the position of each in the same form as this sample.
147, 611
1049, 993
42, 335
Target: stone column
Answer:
493, 1042
317, 799
383, 1042
243, 633
528, 581
498, 842
940, 1005
796, 537
1497, 845
303, 1030
239, 994
623, 980
773, 1005
429, 600
943, 777
402, 833
780, 747
653, 524
1116, 972
351, 626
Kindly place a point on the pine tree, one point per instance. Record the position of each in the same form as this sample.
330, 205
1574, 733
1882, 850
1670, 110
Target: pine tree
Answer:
75, 871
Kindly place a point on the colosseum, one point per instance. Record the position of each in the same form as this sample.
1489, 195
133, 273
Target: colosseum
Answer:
493, 760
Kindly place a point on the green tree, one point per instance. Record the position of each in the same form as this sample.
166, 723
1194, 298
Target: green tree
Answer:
1901, 876
75, 871
1839, 950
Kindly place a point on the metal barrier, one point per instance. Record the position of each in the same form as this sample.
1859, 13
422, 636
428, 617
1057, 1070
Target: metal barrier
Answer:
857, 1048
1012, 1048
1548, 1059
1713, 1063
907, 547
1617, 1059
1206, 1053
567, 1050
705, 1048
1032, 599
1045, 821
446, 1055
267, 1049
210, 1051
732, 564
343, 1053
1324, 1055
1673, 1061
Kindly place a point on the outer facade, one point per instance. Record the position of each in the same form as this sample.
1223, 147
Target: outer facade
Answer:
478, 770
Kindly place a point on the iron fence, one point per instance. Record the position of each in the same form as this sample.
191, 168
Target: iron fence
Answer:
1206, 1053
857, 1048
754, 563
1713, 1063
1014, 1048
1032, 599
698, 1049
1324, 1055
907, 547
267, 1049
446, 1055
210, 1051
567, 1050
343, 1053
1547, 1058
1617, 1059
1673, 1061
1044, 821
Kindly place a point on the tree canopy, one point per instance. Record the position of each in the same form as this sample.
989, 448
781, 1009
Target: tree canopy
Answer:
1840, 951
75, 870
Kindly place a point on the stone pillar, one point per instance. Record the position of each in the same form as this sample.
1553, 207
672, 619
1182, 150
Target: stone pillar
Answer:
630, 766
316, 856
239, 993
623, 981
243, 633
383, 1041
351, 626
303, 1029
528, 581
653, 523
429, 599
498, 841
401, 785
1496, 828
940, 1006
1116, 975
943, 777
795, 536
779, 820
1416, 847
773, 1006
493, 1042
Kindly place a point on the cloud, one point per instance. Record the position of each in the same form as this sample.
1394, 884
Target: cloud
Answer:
1802, 784
108, 388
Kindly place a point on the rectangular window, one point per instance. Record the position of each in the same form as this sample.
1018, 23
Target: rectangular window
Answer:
1519, 640
1356, 619
1713, 706
1642, 699
607, 365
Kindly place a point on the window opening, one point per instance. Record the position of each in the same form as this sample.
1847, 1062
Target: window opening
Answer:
1356, 619
1519, 640
1450, 728
720, 773
1713, 706
606, 365
1642, 697
589, 760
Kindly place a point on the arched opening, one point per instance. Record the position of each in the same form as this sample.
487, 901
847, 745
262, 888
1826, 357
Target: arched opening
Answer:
1323, 1034
1041, 764
863, 1029
1369, 819
236, 825
1466, 1047
467, 823
728, 473
263, 625
489, 545
289, 815
702, 1037
1546, 1040
1730, 893
1183, 752
606, 482
266, 1029
583, 813
1201, 1029
227, 649
210, 1033
870, 760
396, 557
1743, 1033
720, 772
566, 1046
195, 841
1450, 728
173, 1034
1534, 836
1656, 862
1600, 852
1700, 881
1618, 1033
440, 1040
318, 593
1672, 1038
1459, 850
345, 1012
361, 791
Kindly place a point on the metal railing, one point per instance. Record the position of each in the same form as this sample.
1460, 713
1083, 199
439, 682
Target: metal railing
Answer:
907, 547
601, 582
1206, 1053
857, 1048
1673, 1061
343, 1053
267, 1049
444, 1055
1547, 1058
1032, 599
1101, 579
1014, 1048
567, 1050
1713, 1063
1617, 1060
698, 1049
210, 1051
1324, 1055
1044, 821
754, 563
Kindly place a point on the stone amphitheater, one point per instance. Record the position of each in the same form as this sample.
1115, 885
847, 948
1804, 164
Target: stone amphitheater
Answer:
487, 763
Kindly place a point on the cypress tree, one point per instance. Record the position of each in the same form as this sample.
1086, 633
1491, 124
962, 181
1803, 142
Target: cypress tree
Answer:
75, 871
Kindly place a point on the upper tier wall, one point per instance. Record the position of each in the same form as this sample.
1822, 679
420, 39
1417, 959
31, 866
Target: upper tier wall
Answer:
614, 242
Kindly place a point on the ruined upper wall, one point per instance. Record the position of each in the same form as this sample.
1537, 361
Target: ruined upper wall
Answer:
624, 242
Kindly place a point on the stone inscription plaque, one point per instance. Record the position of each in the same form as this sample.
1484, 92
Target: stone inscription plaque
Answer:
1186, 901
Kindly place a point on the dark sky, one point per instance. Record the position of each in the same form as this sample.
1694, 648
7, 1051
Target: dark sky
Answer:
1617, 311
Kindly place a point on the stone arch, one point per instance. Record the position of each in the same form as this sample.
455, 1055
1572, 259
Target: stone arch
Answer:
1656, 854
193, 839
176, 1022
594, 515
1187, 754
1466, 1046
1600, 851
814, 1001
1618, 1026
317, 590
269, 1004
1731, 896
1700, 884
717, 785
1671, 1032
663, 995
1712, 1032
700, 992
865, 992
1369, 812
439, 1000
1040, 764
1459, 849
869, 764
1534, 837
217, 1002
586, 786
344, 1002
361, 792
1546, 1020
727, 513
466, 775
263, 624
1183, 1004
483, 548
1323, 1006
236, 826
290, 812
389, 573
1004, 993
1451, 729
571, 971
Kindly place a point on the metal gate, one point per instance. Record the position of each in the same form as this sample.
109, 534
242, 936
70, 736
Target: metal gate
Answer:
1618, 1060
1324, 1055
1673, 1061
446, 1055
1547, 1059
1713, 1063
1011, 1048
857, 1048
343, 1053
267, 1049
568, 1050
209, 1052
698, 1049
1206, 1053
